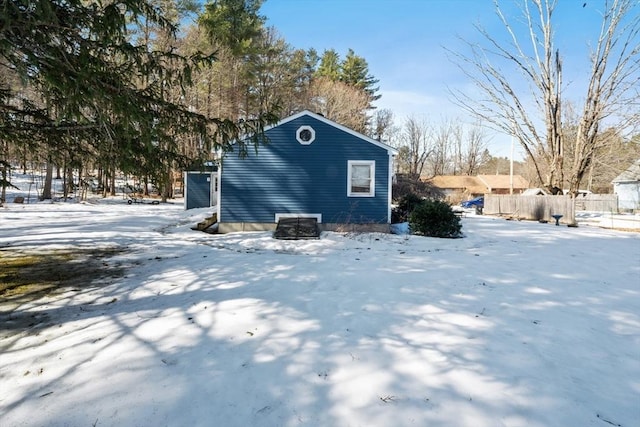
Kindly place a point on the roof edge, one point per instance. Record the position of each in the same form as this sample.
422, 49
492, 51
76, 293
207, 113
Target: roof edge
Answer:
336, 125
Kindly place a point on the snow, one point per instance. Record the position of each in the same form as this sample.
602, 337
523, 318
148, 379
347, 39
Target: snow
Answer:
516, 324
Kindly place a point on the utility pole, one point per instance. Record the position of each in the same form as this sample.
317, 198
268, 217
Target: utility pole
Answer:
511, 169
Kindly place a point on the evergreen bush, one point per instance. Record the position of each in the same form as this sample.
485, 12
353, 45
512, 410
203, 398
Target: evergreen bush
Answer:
435, 218
406, 205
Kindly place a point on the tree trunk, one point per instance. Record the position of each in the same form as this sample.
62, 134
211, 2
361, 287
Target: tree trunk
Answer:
82, 183
105, 182
70, 183
48, 179
65, 189
113, 184
3, 193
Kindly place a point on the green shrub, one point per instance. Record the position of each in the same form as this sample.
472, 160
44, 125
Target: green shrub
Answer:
434, 218
406, 205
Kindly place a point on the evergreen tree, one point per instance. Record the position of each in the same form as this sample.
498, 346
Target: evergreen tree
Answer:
302, 68
330, 67
234, 24
79, 65
355, 72
236, 27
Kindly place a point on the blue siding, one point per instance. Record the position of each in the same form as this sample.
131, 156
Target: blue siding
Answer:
198, 190
288, 177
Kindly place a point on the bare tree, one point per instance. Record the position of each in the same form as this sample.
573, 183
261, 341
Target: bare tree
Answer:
634, 113
415, 145
613, 154
457, 156
615, 71
505, 106
457, 148
382, 127
443, 143
473, 147
340, 102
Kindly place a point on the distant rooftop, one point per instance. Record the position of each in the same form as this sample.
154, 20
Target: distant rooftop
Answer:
632, 174
478, 184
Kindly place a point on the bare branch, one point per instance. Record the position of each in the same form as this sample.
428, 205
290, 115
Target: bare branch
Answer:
503, 102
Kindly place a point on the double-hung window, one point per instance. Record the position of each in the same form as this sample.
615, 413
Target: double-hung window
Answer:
361, 180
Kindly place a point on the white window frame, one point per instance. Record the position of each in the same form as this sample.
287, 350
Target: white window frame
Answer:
372, 182
311, 131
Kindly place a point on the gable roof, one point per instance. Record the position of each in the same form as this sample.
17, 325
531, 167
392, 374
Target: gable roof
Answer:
323, 119
535, 192
632, 174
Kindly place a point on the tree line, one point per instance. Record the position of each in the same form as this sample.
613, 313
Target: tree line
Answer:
147, 88
427, 148
125, 87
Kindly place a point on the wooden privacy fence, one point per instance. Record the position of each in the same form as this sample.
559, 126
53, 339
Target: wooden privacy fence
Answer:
597, 203
543, 207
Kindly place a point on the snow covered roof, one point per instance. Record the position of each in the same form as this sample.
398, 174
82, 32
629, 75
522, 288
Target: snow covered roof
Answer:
535, 192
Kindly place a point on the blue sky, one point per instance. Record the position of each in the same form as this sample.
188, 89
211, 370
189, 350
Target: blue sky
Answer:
404, 44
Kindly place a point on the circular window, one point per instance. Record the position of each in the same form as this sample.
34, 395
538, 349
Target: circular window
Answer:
305, 135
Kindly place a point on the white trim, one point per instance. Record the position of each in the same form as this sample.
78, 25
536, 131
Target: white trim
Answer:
212, 185
390, 187
372, 183
303, 128
184, 192
219, 200
215, 185
317, 216
335, 125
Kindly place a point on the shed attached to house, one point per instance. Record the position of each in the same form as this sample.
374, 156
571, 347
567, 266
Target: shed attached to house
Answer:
200, 186
309, 167
627, 187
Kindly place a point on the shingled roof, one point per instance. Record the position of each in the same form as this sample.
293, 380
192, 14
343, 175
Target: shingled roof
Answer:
478, 184
458, 182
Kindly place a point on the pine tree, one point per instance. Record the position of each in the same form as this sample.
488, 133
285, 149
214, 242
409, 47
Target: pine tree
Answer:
330, 66
234, 24
75, 76
355, 72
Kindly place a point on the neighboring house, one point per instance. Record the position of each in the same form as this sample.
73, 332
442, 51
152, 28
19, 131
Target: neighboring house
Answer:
310, 167
501, 184
535, 192
627, 187
456, 185
472, 186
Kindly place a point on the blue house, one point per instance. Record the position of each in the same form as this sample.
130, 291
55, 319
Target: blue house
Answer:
310, 167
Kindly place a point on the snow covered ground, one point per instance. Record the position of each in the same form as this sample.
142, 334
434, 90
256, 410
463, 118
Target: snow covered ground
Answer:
517, 324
